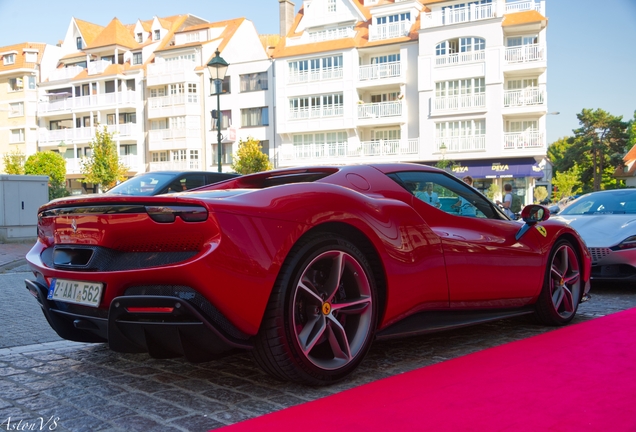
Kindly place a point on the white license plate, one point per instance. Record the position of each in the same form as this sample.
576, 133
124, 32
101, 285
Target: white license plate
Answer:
78, 292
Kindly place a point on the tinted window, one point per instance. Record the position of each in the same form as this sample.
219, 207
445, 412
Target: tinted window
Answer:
144, 185
618, 202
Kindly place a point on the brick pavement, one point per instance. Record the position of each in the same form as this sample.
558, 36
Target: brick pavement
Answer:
87, 387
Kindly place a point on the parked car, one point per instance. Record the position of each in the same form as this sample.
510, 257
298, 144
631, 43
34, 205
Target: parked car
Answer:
305, 267
607, 222
162, 182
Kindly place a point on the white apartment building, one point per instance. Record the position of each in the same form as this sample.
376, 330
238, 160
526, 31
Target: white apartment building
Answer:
181, 96
417, 81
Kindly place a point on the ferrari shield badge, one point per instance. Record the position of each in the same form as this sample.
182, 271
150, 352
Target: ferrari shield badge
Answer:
541, 230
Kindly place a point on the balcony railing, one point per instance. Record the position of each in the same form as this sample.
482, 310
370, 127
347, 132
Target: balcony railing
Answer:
379, 110
448, 16
525, 53
169, 134
167, 101
377, 148
187, 165
171, 72
89, 102
458, 144
390, 30
98, 66
522, 140
524, 97
65, 73
123, 129
456, 103
71, 134
314, 75
523, 5
379, 71
316, 112
459, 58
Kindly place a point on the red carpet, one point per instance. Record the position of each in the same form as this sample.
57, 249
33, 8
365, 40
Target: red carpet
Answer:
577, 378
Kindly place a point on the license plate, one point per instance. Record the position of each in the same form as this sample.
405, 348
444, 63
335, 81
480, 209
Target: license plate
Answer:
78, 292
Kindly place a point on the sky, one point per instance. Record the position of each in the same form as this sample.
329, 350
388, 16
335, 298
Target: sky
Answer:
591, 43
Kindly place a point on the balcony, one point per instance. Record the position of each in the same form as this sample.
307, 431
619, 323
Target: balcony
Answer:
523, 140
171, 72
173, 106
53, 137
389, 30
168, 139
449, 16
379, 110
406, 149
90, 102
459, 103
529, 96
524, 5
314, 75
525, 54
98, 67
65, 73
187, 165
460, 144
316, 112
379, 71
123, 130
460, 58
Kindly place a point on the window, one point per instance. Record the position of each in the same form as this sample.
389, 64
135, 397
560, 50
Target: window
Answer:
109, 87
157, 34
124, 118
225, 85
174, 89
17, 136
254, 82
194, 159
226, 120
385, 97
393, 18
8, 59
331, 6
157, 92
193, 97
128, 149
447, 193
137, 58
140, 37
15, 84
31, 82
226, 156
255, 117
159, 156
78, 42
178, 155
30, 57
16, 109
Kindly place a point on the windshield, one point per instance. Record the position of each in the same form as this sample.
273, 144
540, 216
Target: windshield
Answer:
615, 202
142, 185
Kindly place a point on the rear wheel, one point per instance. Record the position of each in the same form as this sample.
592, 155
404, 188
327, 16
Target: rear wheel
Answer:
321, 317
561, 293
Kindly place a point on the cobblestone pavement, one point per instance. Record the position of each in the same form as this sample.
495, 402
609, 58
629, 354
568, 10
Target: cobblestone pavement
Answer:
86, 387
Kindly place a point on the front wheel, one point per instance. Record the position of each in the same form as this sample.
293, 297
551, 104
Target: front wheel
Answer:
322, 314
561, 293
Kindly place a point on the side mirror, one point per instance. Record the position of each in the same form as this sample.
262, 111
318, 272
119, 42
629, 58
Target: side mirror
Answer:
531, 214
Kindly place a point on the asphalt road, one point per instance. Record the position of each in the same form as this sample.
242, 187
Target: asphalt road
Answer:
82, 387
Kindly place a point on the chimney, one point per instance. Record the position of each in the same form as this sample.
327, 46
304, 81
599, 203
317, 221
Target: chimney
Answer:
286, 10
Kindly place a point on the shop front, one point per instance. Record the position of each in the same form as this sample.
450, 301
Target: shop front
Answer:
521, 173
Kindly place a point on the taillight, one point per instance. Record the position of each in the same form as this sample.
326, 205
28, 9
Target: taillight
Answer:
167, 214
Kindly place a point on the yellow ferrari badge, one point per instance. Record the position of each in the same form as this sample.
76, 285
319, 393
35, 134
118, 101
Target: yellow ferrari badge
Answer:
326, 308
541, 230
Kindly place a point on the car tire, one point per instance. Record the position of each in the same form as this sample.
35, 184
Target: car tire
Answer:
562, 286
322, 314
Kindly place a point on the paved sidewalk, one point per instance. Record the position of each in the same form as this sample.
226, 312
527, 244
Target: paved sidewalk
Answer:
12, 255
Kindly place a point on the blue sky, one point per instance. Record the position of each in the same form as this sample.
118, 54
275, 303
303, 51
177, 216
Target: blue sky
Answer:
591, 44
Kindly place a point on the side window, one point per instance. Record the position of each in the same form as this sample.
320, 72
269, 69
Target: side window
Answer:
194, 181
446, 193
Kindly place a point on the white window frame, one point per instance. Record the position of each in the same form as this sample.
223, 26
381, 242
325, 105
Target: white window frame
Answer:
16, 109
16, 136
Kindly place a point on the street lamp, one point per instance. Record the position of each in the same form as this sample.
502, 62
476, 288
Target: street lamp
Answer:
218, 67
62, 147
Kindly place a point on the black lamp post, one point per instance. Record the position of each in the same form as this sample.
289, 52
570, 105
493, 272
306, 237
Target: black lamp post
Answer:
218, 67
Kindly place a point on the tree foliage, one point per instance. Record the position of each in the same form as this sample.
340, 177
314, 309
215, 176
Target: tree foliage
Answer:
567, 183
14, 162
250, 158
50, 164
103, 167
596, 148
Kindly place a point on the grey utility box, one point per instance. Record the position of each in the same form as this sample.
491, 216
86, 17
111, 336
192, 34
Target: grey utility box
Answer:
20, 198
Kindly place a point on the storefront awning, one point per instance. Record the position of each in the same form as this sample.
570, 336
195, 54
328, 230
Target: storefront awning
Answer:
504, 168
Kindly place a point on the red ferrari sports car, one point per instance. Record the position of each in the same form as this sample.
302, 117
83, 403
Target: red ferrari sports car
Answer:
305, 267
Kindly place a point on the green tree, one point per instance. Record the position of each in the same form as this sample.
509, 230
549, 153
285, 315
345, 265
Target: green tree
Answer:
103, 167
250, 158
602, 138
14, 162
50, 164
567, 183
540, 193
492, 191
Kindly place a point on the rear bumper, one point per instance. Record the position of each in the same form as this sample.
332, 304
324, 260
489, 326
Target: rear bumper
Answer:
163, 326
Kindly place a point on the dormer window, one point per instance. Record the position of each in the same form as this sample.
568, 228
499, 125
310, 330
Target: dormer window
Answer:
30, 57
9, 59
140, 37
157, 34
78, 42
137, 58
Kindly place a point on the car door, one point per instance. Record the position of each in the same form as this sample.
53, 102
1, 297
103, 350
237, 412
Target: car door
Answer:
485, 265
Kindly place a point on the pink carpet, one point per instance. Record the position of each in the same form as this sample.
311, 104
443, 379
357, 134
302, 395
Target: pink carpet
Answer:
577, 378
